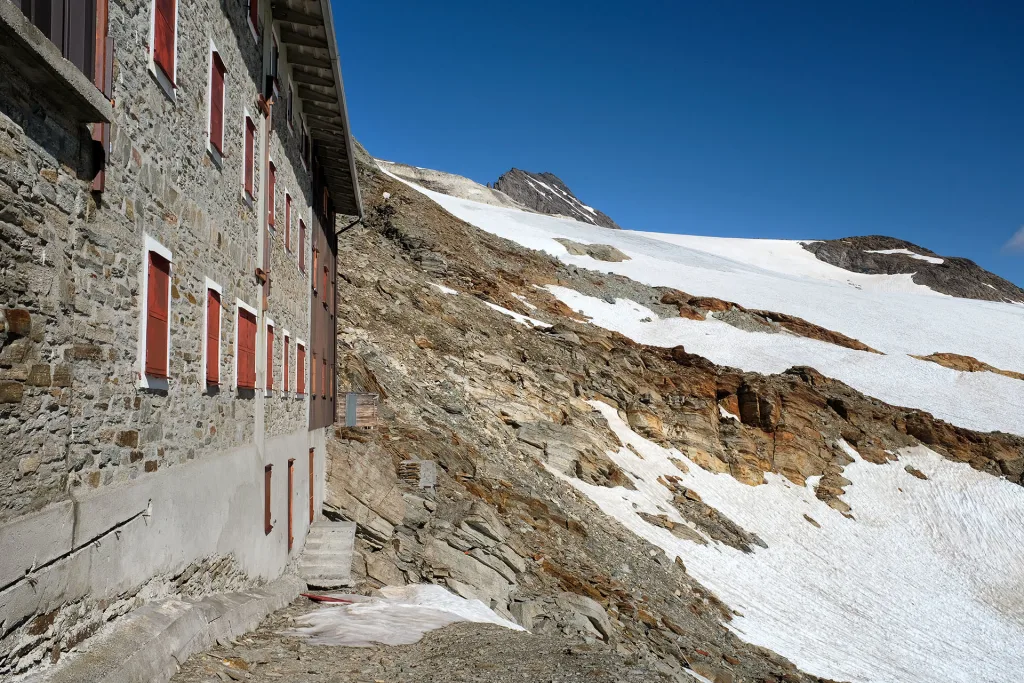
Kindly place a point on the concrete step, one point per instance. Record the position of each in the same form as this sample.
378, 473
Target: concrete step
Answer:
326, 560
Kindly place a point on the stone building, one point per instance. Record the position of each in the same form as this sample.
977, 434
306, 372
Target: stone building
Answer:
173, 178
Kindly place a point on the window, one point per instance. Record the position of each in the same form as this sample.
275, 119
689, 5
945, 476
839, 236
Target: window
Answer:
249, 160
323, 378
316, 262
271, 192
325, 286
270, 356
287, 222
307, 148
211, 351
313, 368
165, 13
290, 106
254, 17
245, 347
268, 523
300, 368
302, 246
285, 362
157, 315
217, 72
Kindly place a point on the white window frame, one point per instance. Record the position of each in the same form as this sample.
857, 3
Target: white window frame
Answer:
266, 337
149, 244
286, 338
210, 284
298, 343
167, 85
214, 154
250, 199
240, 306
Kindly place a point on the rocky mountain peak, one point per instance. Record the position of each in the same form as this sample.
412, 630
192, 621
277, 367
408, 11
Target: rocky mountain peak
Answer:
546, 193
882, 255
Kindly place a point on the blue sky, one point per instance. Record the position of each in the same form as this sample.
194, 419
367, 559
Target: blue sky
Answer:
750, 119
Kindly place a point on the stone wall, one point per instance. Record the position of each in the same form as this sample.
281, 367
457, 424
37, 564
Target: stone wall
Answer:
74, 420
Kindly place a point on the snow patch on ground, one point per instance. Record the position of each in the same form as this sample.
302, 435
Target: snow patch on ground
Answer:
399, 617
524, 301
923, 586
442, 288
518, 317
983, 401
906, 252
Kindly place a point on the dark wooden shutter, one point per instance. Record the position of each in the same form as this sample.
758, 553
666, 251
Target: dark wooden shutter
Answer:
246, 349
287, 222
249, 160
267, 521
157, 315
254, 14
217, 72
212, 337
163, 37
270, 357
270, 197
300, 369
287, 380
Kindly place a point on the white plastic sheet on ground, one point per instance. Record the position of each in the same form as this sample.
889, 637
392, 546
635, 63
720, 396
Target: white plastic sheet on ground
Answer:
400, 616
926, 585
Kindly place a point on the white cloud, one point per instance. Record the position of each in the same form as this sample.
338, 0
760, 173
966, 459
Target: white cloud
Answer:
1016, 242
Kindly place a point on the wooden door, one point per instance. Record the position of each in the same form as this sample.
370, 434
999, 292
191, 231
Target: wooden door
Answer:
291, 503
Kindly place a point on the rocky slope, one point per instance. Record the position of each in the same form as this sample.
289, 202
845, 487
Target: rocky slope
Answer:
877, 254
546, 193
501, 408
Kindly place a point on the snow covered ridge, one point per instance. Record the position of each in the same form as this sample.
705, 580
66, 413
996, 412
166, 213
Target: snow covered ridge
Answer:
850, 599
547, 194
888, 312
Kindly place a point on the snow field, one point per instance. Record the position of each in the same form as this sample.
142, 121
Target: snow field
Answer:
923, 586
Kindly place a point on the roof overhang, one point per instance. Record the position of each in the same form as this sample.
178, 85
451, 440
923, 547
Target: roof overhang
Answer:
311, 48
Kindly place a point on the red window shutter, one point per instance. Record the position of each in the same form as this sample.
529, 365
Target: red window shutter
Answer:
268, 525
325, 285
316, 262
287, 383
254, 14
323, 378
300, 369
270, 198
157, 315
163, 36
302, 246
212, 337
287, 222
217, 103
248, 161
270, 357
246, 349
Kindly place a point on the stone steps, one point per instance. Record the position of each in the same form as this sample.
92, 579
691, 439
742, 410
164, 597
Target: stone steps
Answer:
326, 560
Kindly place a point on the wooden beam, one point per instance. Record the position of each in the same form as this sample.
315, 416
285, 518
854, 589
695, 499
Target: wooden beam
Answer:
311, 109
316, 96
293, 38
301, 59
292, 16
304, 77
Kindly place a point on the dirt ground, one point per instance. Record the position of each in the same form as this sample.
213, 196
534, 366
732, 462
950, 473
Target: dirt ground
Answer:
460, 652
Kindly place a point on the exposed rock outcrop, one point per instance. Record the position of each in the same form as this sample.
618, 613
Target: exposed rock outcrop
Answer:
600, 252
955, 361
946, 274
546, 193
